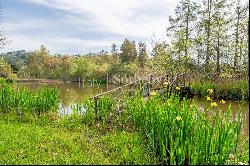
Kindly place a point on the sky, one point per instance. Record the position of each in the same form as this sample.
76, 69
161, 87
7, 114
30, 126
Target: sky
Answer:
82, 26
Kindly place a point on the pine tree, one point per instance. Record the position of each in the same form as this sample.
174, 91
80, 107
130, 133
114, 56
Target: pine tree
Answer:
181, 29
128, 52
142, 54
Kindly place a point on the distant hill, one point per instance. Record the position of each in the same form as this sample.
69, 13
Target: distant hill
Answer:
16, 58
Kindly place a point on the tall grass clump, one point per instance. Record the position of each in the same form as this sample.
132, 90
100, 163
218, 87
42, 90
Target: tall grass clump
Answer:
179, 133
107, 111
23, 100
236, 90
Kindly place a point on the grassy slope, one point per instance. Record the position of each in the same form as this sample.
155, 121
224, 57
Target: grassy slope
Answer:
27, 143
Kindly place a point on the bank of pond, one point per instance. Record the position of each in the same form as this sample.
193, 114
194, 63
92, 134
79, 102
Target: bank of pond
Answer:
168, 129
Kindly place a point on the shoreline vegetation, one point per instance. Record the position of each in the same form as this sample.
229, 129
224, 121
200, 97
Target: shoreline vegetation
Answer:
168, 130
234, 90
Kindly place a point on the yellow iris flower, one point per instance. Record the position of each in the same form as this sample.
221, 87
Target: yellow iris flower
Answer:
213, 104
222, 101
210, 91
177, 88
209, 98
178, 118
165, 83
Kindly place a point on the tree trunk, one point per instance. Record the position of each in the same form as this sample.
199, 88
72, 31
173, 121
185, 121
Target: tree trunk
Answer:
237, 38
218, 52
186, 44
208, 36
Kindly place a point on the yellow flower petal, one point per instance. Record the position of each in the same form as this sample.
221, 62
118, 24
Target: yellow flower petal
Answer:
210, 91
213, 104
178, 118
177, 88
153, 93
222, 101
209, 98
165, 83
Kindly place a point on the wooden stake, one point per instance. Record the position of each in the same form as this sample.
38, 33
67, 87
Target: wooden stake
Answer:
107, 82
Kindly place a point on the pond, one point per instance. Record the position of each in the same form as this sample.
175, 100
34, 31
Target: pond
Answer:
71, 93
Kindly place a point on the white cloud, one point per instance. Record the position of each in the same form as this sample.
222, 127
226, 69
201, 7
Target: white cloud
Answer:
56, 45
113, 19
139, 18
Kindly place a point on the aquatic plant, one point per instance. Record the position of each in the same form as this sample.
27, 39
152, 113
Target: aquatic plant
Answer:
23, 100
237, 90
181, 134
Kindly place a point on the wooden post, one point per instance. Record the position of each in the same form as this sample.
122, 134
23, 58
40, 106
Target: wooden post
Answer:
96, 105
189, 84
184, 79
79, 82
107, 82
162, 81
172, 76
130, 87
150, 81
148, 89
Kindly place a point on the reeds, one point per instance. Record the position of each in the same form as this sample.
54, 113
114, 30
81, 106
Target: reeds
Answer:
179, 133
176, 130
23, 100
237, 90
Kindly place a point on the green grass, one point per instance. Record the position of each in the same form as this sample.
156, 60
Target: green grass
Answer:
44, 141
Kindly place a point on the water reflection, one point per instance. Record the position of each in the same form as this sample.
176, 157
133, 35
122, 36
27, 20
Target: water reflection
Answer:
235, 107
70, 93
67, 110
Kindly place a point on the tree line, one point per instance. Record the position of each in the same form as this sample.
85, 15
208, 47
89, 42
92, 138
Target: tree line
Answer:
207, 37
42, 64
212, 33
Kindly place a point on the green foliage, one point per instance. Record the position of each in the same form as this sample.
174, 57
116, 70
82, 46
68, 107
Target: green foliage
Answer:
163, 60
235, 90
128, 52
180, 134
5, 68
142, 54
17, 59
23, 100
123, 70
127, 147
176, 131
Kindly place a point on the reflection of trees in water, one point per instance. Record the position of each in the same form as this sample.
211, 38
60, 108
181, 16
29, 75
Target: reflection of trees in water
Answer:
68, 96
72, 93
235, 106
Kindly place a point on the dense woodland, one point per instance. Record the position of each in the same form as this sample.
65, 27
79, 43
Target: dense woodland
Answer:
207, 36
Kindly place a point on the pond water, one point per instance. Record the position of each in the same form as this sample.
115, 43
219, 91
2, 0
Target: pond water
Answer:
71, 93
